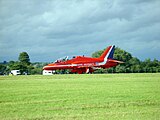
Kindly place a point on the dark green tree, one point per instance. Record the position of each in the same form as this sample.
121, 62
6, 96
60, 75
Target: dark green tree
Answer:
35, 71
24, 63
135, 66
2, 69
122, 55
150, 66
24, 58
97, 53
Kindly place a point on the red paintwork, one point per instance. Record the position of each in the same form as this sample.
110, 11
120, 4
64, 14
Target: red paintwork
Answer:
81, 64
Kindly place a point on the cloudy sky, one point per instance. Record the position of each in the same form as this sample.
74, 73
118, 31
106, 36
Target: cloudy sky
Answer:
49, 29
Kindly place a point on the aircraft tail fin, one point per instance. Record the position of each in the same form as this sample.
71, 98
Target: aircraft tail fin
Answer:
108, 53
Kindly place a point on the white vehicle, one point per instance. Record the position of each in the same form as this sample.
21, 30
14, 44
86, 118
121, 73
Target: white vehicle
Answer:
15, 72
48, 72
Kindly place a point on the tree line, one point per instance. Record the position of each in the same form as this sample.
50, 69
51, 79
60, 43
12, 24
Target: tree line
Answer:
131, 64
23, 64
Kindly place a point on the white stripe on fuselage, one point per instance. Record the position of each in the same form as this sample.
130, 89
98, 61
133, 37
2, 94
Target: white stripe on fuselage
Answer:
72, 65
106, 57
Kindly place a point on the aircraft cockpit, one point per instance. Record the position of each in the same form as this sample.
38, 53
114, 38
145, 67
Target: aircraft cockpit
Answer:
63, 59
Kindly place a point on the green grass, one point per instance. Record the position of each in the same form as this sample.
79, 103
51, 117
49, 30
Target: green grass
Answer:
105, 96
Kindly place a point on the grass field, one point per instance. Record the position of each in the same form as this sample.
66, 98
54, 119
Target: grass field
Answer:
105, 96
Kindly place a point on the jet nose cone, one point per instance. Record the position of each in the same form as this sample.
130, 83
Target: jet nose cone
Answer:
49, 67
44, 67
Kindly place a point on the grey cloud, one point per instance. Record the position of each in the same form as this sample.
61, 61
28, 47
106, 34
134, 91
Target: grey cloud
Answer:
76, 27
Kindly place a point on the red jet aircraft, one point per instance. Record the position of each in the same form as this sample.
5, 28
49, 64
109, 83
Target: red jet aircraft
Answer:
81, 64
